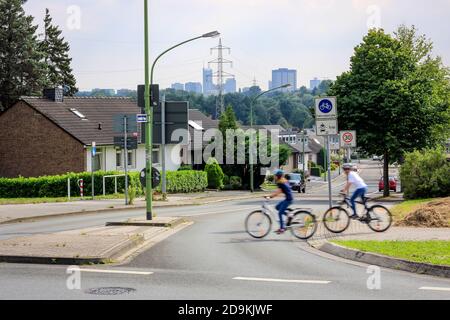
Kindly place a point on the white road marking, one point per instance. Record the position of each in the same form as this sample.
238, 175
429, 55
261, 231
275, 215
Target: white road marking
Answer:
435, 288
116, 271
282, 280
217, 212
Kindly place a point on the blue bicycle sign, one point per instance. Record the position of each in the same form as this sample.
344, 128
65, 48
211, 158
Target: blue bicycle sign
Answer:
325, 106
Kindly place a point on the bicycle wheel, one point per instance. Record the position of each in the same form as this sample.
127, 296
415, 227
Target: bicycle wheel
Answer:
303, 225
258, 224
380, 218
336, 220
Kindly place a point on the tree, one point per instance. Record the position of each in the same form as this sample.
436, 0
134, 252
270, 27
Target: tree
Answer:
21, 67
215, 174
56, 57
394, 100
227, 120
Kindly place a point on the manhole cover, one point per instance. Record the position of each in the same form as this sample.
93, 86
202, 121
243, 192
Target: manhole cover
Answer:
112, 291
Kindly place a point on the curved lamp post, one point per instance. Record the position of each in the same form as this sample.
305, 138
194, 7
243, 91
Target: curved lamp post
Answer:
149, 109
252, 188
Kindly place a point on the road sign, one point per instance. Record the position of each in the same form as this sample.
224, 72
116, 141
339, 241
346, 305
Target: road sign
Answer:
348, 139
156, 178
119, 123
327, 127
132, 142
94, 149
141, 118
326, 108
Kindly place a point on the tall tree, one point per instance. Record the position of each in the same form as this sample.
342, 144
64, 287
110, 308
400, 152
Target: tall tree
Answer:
21, 68
391, 97
56, 57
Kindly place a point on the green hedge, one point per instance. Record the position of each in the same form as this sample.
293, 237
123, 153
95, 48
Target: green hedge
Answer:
186, 181
56, 186
426, 174
317, 172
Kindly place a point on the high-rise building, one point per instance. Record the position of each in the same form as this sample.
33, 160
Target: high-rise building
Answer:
230, 86
284, 76
208, 85
195, 87
177, 86
314, 84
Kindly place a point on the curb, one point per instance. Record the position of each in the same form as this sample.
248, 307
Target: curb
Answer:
385, 261
175, 205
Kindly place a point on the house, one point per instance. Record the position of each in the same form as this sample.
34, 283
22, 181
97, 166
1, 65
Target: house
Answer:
53, 135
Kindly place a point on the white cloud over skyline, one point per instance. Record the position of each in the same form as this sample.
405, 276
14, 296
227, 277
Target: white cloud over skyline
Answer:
316, 37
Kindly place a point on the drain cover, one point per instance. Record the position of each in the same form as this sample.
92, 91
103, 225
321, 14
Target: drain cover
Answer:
111, 291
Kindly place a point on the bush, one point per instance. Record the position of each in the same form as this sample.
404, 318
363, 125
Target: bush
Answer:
316, 172
185, 181
236, 183
425, 174
56, 186
226, 180
215, 174
185, 167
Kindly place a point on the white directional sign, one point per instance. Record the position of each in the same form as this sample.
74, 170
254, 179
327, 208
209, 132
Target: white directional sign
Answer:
327, 127
326, 108
141, 118
348, 139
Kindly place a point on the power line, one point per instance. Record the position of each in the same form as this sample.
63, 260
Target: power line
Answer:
220, 75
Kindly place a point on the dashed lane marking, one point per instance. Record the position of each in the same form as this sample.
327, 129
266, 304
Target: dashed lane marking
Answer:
142, 273
282, 280
435, 288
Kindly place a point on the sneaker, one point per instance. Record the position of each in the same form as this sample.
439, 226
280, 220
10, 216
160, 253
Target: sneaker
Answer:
280, 231
354, 217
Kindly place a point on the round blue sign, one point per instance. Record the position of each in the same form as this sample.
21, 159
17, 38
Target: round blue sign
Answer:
325, 106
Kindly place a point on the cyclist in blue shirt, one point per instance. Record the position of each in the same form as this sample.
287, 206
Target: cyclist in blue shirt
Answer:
285, 188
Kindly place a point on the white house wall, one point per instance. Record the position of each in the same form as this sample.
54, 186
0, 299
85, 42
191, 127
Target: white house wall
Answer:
173, 159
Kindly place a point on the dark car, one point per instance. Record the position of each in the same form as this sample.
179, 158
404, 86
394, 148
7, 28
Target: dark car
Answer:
392, 184
297, 182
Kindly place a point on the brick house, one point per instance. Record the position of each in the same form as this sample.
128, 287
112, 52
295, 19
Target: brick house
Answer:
53, 134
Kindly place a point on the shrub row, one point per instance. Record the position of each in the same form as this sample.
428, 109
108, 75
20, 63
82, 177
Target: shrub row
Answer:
56, 186
186, 181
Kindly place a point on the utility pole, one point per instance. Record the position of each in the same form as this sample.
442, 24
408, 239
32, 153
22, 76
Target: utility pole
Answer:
220, 76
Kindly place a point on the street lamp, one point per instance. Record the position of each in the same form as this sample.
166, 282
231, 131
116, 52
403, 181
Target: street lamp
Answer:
252, 188
149, 110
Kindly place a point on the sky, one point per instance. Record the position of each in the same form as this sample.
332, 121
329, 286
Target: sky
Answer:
315, 37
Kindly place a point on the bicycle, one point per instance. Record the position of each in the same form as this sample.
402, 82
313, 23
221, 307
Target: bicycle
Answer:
337, 219
259, 223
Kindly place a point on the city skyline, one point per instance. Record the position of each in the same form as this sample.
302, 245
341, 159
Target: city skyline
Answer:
113, 32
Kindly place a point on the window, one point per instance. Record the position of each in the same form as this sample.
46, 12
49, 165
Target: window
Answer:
97, 161
131, 159
156, 154
78, 113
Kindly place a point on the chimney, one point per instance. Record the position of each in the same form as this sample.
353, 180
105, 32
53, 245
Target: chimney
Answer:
54, 94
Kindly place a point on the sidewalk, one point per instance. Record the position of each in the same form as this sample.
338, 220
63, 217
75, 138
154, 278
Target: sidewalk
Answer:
23, 212
98, 245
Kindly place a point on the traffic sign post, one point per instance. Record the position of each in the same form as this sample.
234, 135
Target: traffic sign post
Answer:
93, 153
348, 141
326, 126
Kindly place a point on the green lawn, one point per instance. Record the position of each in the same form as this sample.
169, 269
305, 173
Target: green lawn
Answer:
403, 209
433, 252
4, 201
269, 186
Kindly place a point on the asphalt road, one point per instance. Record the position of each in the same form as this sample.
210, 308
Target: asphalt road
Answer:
215, 259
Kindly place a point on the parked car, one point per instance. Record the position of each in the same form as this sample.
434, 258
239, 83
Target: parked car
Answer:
297, 182
376, 158
393, 182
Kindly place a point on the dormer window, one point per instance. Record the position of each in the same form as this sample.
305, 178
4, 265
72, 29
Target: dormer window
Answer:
78, 114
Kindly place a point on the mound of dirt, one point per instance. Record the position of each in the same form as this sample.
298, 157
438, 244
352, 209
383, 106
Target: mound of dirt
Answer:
435, 214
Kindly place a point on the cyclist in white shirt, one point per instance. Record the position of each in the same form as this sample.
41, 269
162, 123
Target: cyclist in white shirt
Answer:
354, 179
